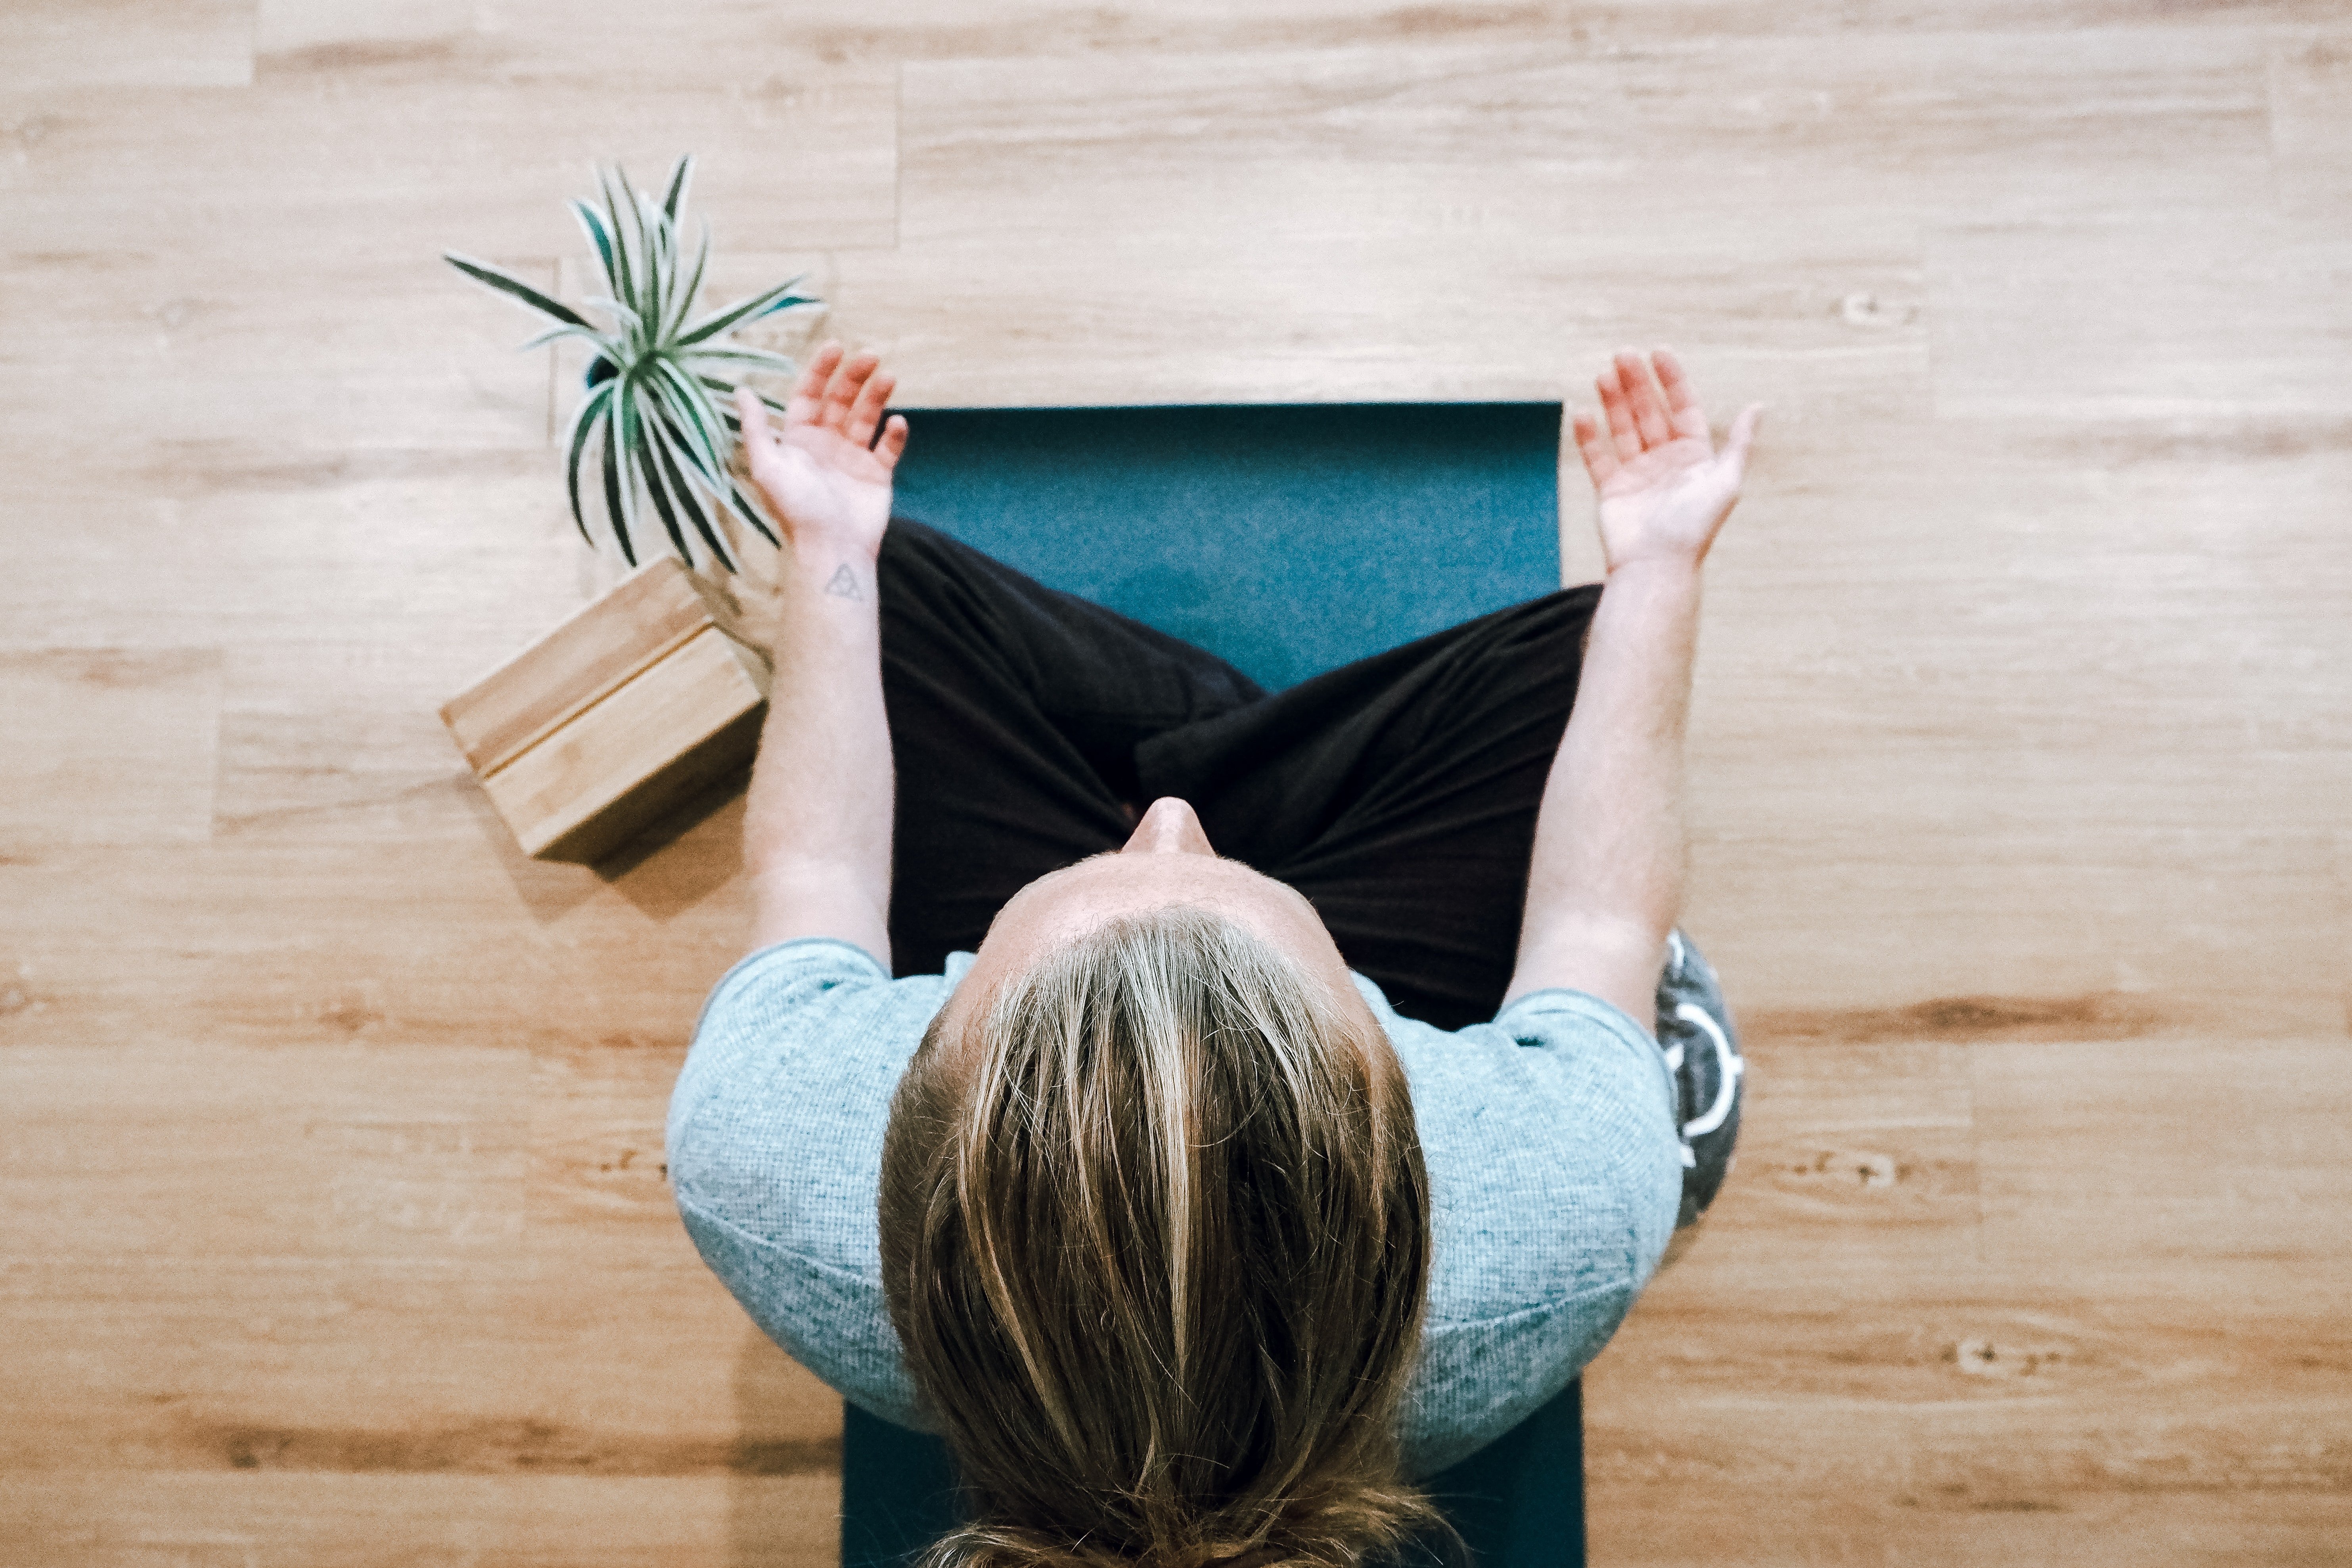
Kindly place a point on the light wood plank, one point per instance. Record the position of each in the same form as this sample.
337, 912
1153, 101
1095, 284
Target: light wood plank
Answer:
421, 1161
2022, 716
1771, 1529
587, 1339
441, 562
1928, 1400
549, 35
354, 31
2170, 921
2234, 1147
2311, 129
1858, 1153
307, 940
579, 1366
109, 746
2148, 317
341, 740
75, 43
347, 1521
271, 169
1311, 235
273, 353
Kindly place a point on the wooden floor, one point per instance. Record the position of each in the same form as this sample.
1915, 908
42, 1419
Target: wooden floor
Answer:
332, 1220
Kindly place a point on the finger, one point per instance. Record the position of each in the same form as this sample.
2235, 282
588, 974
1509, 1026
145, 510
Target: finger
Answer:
893, 442
841, 393
1599, 457
867, 412
808, 393
1620, 416
1743, 432
1682, 399
1641, 397
753, 414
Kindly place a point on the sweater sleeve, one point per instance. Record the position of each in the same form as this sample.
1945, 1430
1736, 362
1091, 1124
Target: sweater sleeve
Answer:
1555, 1174
775, 1154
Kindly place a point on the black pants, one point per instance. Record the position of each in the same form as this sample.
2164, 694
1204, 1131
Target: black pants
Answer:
1399, 794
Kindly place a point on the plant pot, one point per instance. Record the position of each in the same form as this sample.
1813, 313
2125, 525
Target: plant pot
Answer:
586, 736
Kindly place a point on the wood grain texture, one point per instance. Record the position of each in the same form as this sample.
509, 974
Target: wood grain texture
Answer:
285, 158
579, 790
109, 745
334, 1226
349, 1520
2311, 128
574, 664
80, 44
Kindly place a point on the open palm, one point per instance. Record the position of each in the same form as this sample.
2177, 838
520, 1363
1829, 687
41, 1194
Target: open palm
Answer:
824, 475
1664, 489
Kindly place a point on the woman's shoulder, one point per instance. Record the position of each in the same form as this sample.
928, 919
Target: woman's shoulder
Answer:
776, 1121
775, 1149
1555, 1177
1555, 1168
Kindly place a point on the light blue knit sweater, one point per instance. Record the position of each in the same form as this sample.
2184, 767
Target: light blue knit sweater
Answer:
1554, 1165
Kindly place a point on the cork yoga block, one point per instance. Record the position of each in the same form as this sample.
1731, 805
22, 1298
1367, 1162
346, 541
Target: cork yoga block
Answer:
583, 738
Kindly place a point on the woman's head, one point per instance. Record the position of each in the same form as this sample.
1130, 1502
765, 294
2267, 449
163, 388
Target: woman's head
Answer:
1155, 1235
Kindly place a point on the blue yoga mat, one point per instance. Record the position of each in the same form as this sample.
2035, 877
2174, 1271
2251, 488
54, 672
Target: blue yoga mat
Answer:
1287, 539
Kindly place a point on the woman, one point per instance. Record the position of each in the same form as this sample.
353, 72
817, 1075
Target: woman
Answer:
1269, 1110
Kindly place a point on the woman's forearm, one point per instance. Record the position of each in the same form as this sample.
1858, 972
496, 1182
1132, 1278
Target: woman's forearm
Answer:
816, 827
1605, 881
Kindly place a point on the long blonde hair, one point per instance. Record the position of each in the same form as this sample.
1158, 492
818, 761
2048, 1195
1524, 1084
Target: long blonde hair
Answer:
1155, 1238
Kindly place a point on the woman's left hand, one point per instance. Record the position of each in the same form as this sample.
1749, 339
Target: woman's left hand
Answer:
1662, 485
824, 476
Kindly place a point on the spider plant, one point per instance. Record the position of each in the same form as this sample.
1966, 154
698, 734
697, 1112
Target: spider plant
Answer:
657, 409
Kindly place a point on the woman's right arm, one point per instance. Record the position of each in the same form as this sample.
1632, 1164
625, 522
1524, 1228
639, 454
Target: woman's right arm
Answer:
816, 825
1605, 881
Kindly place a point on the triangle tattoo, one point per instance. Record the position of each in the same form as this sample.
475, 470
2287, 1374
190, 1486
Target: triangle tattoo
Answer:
844, 585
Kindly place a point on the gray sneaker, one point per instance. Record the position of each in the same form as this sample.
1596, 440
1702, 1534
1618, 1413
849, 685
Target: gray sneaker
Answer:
1703, 1049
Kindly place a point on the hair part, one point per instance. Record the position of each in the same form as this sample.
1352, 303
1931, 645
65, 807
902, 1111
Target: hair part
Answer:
1155, 1238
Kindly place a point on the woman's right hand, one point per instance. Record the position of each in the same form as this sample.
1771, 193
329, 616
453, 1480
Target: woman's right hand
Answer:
1663, 487
824, 476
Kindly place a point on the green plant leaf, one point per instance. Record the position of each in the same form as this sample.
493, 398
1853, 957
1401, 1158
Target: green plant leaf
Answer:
625, 407
726, 403
752, 514
644, 455
605, 341
671, 328
507, 283
682, 403
628, 428
782, 364
591, 222
692, 508
632, 324
584, 420
613, 512
654, 233
747, 310
678, 179
645, 298
661, 419
624, 274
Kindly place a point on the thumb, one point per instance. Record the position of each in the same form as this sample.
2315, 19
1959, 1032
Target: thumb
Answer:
754, 417
1743, 432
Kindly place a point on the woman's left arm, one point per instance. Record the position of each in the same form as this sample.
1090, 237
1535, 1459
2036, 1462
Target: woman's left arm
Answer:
816, 827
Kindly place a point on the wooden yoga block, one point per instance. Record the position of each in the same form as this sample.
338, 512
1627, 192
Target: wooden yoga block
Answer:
588, 733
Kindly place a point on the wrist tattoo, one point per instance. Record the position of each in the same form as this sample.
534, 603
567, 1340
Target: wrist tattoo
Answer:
844, 585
